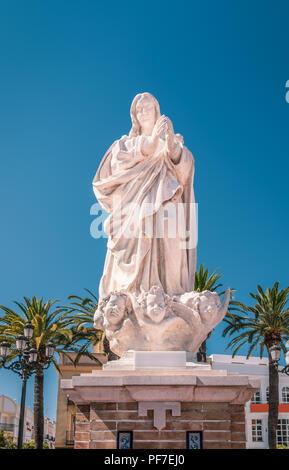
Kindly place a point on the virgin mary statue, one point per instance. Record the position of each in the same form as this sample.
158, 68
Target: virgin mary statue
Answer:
145, 183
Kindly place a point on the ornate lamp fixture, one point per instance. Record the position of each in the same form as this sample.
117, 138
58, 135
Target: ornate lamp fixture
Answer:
27, 363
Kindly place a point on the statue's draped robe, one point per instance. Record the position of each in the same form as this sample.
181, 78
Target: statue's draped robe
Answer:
133, 187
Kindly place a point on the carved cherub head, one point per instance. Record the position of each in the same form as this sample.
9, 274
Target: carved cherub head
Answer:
112, 311
115, 310
209, 304
156, 304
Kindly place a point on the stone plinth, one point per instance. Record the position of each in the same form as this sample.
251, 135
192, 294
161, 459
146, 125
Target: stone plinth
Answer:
160, 406
165, 360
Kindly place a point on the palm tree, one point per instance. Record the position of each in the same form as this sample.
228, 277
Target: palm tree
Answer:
50, 324
205, 282
264, 325
83, 309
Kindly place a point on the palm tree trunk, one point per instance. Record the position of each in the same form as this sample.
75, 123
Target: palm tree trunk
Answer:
38, 408
273, 403
202, 352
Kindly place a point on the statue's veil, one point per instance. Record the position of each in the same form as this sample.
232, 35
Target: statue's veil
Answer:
104, 169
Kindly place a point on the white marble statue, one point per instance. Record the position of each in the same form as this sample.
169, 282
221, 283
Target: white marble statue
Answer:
145, 183
138, 175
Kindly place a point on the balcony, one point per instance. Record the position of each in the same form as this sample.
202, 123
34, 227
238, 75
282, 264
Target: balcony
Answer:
264, 407
69, 438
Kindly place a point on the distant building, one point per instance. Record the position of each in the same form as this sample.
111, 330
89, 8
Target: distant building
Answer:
49, 432
257, 409
9, 422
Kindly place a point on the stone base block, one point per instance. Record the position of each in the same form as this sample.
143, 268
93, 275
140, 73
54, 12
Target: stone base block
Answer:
221, 425
138, 360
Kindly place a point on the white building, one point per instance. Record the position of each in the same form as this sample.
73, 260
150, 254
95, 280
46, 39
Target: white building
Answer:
9, 422
256, 410
49, 432
9, 419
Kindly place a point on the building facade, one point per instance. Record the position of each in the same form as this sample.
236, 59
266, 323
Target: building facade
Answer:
256, 410
66, 409
9, 422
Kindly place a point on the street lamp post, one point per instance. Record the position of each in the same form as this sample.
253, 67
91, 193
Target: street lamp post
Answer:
25, 366
285, 370
275, 354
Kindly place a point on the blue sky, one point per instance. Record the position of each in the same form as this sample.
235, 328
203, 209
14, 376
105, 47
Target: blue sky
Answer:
68, 73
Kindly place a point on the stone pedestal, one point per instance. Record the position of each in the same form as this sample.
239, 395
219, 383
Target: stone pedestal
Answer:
160, 402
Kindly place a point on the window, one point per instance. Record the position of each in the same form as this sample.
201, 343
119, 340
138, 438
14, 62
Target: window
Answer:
285, 395
124, 440
283, 432
257, 397
257, 433
267, 394
194, 440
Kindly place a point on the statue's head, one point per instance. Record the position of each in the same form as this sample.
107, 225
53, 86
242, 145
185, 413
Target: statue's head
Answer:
144, 111
209, 304
115, 309
156, 304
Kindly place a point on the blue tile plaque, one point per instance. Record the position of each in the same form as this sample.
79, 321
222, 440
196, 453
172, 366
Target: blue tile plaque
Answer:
194, 440
124, 440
